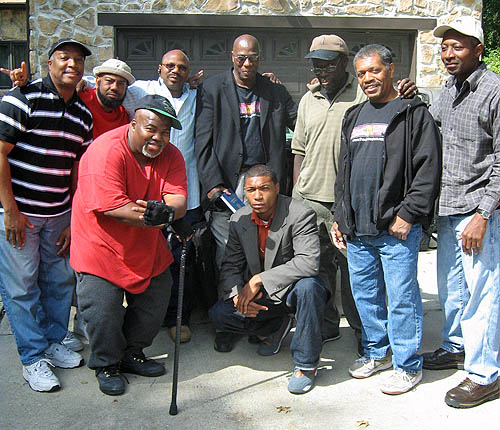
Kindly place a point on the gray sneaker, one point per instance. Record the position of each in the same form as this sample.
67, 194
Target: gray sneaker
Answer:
71, 342
365, 367
399, 382
272, 344
60, 356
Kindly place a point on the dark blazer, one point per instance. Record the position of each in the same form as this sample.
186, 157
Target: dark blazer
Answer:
292, 250
218, 138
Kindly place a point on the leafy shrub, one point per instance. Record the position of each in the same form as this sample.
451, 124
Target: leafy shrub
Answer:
492, 60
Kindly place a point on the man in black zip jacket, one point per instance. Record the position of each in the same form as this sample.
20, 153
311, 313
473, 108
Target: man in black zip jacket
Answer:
389, 171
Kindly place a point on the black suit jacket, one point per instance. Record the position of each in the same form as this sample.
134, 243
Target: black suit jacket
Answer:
218, 136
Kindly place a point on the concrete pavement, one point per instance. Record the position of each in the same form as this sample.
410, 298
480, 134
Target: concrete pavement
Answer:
241, 390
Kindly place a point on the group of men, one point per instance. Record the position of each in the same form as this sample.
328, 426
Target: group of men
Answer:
369, 162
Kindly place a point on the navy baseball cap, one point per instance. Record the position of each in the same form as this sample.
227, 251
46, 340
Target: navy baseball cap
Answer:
60, 42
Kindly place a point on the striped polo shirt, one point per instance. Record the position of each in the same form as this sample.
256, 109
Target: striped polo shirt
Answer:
48, 135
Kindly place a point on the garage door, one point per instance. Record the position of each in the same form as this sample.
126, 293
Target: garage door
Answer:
283, 51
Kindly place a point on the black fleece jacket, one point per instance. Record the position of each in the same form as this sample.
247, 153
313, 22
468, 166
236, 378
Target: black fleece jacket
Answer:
411, 173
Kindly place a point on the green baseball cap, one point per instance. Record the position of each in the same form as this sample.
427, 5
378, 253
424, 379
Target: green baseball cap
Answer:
161, 105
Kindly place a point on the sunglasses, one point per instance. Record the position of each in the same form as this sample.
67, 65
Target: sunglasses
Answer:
240, 59
328, 69
172, 66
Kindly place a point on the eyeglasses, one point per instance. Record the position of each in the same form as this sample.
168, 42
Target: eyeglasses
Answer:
240, 59
328, 69
172, 66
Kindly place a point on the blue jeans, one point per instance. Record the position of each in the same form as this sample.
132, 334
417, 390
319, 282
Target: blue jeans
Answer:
381, 266
306, 299
331, 262
36, 286
469, 292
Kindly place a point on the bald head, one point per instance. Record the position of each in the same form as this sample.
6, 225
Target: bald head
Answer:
246, 55
176, 53
174, 70
246, 41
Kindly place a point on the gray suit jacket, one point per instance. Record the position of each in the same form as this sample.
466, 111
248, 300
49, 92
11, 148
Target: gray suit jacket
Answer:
292, 250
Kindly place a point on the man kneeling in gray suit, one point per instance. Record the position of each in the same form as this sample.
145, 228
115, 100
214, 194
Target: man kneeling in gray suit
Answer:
270, 272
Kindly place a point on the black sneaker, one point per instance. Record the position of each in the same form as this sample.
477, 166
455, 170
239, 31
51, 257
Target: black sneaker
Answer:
224, 341
272, 344
111, 381
138, 364
441, 359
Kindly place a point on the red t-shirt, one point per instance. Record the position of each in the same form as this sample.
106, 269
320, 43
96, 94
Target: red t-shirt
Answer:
109, 178
103, 121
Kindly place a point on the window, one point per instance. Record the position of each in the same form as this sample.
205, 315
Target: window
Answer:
11, 55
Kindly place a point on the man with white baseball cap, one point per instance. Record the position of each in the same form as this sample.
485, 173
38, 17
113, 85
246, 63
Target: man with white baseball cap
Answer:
466, 25
105, 101
468, 269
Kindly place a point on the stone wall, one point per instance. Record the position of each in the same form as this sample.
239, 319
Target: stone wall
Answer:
54, 19
12, 24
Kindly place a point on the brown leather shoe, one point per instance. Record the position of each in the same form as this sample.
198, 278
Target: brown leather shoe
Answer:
469, 394
185, 333
441, 359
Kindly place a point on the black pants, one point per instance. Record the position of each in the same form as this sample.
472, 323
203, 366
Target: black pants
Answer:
114, 329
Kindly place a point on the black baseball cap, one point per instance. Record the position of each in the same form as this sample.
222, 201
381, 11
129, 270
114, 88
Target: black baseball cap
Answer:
85, 50
160, 105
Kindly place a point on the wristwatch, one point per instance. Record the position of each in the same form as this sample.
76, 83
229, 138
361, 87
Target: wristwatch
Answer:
484, 213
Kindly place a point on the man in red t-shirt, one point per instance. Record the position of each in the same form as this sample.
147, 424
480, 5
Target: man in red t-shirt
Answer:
105, 101
105, 104
132, 182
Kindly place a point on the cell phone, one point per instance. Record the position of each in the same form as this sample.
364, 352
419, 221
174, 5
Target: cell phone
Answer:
223, 201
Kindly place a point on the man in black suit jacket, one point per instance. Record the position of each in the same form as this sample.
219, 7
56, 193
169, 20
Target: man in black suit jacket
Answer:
241, 121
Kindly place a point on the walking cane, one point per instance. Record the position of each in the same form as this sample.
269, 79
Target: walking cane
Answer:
184, 230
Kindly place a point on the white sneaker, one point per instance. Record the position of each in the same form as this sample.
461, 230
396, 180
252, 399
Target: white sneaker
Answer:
40, 377
365, 367
71, 342
61, 356
399, 382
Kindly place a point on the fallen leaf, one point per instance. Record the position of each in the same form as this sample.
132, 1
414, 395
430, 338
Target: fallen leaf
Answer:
285, 409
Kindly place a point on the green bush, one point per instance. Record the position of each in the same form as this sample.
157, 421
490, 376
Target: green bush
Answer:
492, 60
491, 17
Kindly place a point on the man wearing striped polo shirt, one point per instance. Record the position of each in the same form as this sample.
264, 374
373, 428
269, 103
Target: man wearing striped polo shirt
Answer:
44, 130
